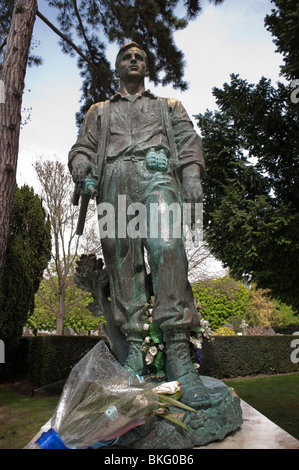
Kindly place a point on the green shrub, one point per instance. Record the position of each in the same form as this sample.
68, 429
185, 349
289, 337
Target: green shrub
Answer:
220, 299
224, 331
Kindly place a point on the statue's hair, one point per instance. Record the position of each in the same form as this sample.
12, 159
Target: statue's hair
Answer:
124, 48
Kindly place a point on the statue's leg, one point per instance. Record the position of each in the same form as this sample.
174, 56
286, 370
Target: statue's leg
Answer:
174, 310
179, 367
127, 278
124, 260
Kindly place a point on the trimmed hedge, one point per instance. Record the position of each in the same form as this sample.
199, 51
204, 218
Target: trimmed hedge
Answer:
234, 356
51, 358
47, 359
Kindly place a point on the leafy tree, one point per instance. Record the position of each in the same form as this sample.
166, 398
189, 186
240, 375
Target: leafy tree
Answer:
251, 186
251, 211
56, 191
264, 311
79, 317
28, 252
261, 309
220, 299
225, 300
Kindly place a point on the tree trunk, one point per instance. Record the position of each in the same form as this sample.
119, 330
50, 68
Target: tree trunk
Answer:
13, 75
59, 324
60, 314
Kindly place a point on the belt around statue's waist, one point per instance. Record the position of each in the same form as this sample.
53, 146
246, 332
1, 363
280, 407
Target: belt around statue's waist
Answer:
150, 153
133, 158
127, 158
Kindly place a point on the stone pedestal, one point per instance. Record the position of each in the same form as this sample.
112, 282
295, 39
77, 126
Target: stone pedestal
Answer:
257, 432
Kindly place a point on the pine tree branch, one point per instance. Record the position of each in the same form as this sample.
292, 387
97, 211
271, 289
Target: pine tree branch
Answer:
81, 26
70, 43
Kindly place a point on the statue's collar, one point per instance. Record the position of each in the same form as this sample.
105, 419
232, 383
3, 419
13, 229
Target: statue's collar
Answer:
119, 95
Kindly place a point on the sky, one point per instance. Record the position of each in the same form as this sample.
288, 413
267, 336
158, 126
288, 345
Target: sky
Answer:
225, 39
230, 38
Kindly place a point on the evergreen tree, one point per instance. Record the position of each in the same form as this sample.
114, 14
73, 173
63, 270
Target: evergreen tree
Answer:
283, 23
251, 186
27, 255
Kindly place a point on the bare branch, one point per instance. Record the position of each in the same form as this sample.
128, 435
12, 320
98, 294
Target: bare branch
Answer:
47, 303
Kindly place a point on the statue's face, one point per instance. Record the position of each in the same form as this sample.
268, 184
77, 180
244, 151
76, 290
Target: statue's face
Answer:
132, 65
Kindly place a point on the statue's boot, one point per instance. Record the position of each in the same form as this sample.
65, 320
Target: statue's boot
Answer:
179, 367
135, 360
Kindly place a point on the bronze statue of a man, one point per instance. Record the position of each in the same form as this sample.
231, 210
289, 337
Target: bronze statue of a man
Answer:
146, 149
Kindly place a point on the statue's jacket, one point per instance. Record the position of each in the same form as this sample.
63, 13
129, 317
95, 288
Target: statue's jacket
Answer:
121, 127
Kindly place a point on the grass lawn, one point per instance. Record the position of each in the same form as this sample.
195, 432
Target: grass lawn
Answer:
276, 397
21, 417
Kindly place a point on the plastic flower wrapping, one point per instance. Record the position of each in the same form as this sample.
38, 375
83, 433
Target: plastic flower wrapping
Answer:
101, 401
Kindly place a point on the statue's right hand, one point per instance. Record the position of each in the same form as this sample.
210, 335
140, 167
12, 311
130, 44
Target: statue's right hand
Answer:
81, 167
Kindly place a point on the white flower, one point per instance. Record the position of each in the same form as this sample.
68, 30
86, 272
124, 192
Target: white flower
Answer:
168, 388
197, 342
147, 339
153, 350
161, 347
146, 326
149, 359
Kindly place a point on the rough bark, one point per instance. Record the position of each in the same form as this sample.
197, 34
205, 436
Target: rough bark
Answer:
12, 74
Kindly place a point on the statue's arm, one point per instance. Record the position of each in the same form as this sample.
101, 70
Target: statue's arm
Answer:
82, 156
190, 153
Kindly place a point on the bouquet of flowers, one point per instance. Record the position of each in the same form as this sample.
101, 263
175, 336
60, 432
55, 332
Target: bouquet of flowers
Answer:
101, 401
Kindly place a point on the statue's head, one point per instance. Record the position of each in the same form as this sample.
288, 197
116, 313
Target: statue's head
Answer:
125, 48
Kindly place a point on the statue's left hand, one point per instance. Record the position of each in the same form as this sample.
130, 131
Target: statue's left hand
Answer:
191, 184
192, 189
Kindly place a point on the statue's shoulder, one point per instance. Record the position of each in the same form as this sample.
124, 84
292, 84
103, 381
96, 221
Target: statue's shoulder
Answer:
171, 102
99, 106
